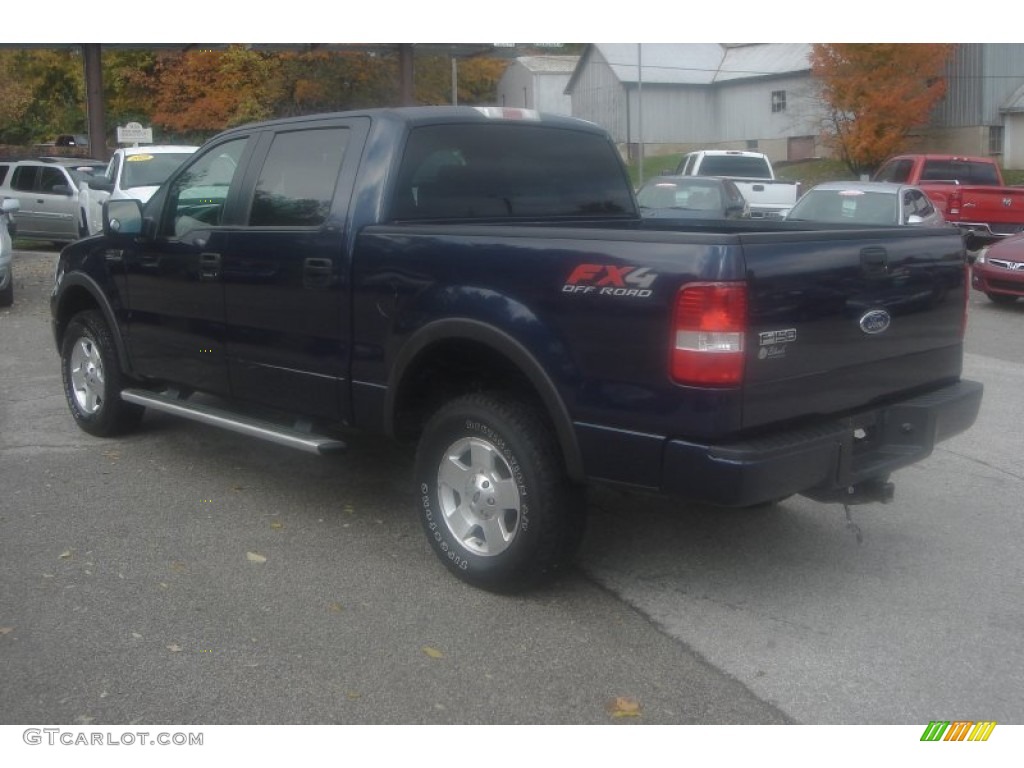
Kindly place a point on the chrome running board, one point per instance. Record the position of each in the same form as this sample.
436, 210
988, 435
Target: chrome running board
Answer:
218, 417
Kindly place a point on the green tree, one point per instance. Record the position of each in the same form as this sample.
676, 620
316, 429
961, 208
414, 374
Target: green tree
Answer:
876, 94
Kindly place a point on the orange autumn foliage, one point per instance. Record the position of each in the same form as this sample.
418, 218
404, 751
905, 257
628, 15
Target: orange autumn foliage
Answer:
875, 94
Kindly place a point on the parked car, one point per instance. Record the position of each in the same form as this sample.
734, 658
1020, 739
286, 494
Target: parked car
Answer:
998, 270
47, 191
866, 202
704, 197
767, 196
7, 207
133, 172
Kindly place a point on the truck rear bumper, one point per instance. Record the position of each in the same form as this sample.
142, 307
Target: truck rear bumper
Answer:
820, 459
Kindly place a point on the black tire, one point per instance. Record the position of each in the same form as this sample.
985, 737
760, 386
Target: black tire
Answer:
1001, 298
507, 517
93, 379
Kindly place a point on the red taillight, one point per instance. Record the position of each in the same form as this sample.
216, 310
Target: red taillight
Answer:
709, 324
954, 203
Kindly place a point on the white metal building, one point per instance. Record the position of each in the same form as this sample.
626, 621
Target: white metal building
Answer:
538, 82
696, 95
762, 96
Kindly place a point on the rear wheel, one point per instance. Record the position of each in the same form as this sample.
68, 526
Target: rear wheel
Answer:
93, 379
494, 499
1001, 298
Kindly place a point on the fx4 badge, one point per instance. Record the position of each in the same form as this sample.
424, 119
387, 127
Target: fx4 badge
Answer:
609, 280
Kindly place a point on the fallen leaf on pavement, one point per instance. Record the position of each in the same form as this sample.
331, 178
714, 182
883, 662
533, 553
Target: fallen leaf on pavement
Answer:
334, 608
173, 647
276, 525
6, 630
65, 554
623, 706
254, 557
432, 652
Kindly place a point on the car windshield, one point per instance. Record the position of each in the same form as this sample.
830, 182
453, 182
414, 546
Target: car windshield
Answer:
80, 172
150, 170
847, 206
690, 195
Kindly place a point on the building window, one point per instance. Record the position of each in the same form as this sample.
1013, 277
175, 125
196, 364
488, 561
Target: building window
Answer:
995, 139
778, 101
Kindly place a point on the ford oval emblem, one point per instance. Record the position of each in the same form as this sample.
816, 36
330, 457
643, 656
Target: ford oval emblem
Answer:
875, 321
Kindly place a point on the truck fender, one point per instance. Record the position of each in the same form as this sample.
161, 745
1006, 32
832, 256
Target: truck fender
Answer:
474, 330
72, 285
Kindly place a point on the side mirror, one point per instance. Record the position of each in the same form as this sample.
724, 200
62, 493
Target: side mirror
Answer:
122, 218
10, 205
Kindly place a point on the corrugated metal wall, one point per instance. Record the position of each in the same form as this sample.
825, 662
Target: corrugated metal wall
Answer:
672, 113
981, 78
598, 96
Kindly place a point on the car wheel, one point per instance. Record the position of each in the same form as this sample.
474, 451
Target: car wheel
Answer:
493, 495
93, 379
1001, 298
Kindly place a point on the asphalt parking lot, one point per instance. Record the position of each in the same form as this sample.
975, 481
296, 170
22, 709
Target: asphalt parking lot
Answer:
188, 575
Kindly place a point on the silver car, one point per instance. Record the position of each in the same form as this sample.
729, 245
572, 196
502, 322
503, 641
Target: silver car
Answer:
7, 207
874, 203
47, 191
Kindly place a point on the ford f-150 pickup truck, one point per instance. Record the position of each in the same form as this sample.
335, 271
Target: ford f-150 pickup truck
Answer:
752, 172
969, 191
480, 281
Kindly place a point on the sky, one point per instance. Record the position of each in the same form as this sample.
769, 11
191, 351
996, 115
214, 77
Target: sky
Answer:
451, 21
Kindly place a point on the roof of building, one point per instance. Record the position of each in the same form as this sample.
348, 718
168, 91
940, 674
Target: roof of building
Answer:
700, 63
549, 65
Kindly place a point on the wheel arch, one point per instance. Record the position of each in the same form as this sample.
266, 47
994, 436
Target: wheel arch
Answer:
415, 382
79, 292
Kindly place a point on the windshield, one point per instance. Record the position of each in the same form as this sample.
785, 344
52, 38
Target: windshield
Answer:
691, 194
84, 172
847, 207
150, 170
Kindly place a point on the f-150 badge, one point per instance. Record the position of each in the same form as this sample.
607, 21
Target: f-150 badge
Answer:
610, 280
773, 343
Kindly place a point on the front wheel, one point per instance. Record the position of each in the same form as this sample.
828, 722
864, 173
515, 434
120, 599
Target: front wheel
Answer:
93, 379
494, 498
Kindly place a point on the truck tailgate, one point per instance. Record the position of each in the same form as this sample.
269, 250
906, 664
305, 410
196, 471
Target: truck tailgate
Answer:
845, 319
1001, 208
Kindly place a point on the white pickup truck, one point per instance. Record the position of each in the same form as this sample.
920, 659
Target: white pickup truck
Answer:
133, 172
768, 197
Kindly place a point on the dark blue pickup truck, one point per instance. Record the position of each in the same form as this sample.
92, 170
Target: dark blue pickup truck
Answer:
480, 281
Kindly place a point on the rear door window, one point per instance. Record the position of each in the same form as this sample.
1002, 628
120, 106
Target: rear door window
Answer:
297, 182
